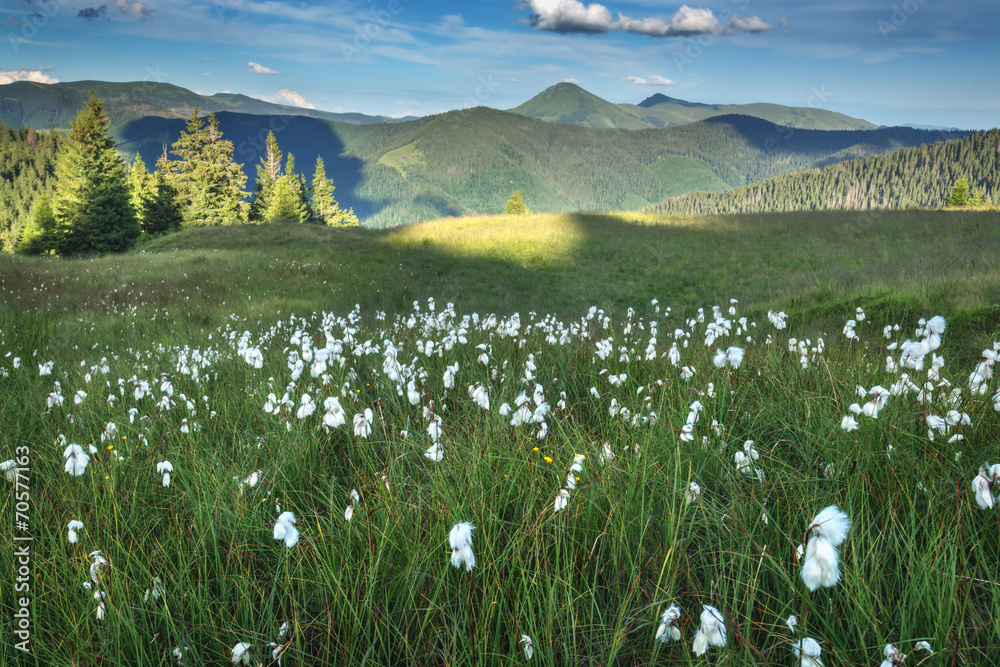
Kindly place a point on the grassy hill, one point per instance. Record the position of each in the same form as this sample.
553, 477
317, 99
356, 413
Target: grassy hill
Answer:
813, 265
263, 438
569, 103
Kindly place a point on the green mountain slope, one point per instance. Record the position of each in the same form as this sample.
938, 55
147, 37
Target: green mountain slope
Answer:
45, 106
466, 162
569, 103
915, 176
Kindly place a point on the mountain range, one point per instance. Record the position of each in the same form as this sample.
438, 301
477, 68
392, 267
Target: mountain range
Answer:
569, 103
470, 161
55, 105
44, 106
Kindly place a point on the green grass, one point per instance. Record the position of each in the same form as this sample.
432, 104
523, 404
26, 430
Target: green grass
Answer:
588, 583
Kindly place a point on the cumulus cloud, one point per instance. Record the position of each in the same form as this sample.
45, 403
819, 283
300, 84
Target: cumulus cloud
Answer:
36, 75
257, 68
119, 8
573, 16
653, 80
285, 96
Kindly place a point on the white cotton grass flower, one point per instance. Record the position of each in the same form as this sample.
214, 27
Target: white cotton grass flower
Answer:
667, 631
363, 423
284, 529
100, 596
9, 470
252, 480
241, 654
562, 499
165, 468
355, 498
156, 591
924, 646
807, 652
434, 429
435, 452
849, 423
893, 656
480, 395
98, 566
712, 631
72, 527
692, 494
527, 645
76, 460
829, 530
460, 539
792, 622
306, 407
982, 488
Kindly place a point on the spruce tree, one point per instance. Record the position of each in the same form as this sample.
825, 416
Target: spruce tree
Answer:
960, 193
140, 190
163, 208
288, 201
92, 206
325, 207
516, 205
40, 235
268, 172
209, 184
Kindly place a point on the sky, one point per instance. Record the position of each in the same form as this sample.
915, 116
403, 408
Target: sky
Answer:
924, 62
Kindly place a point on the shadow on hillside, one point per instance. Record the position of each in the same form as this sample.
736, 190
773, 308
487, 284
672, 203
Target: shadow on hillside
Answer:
304, 137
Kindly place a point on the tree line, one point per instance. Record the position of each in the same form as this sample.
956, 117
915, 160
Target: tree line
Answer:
97, 204
957, 172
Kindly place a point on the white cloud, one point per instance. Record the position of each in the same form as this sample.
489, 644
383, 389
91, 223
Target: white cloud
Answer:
285, 96
36, 75
257, 68
573, 16
575, 81
653, 80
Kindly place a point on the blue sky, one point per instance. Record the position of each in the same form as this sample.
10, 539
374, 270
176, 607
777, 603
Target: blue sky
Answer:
928, 62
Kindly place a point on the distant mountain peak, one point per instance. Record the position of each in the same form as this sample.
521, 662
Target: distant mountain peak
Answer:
660, 98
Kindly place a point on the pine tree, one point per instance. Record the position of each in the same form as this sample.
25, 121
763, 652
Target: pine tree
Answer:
92, 206
324, 205
140, 190
40, 235
960, 193
516, 205
268, 172
288, 201
163, 208
209, 184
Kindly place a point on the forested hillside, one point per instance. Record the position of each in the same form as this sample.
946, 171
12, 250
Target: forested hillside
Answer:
55, 105
916, 176
465, 162
27, 165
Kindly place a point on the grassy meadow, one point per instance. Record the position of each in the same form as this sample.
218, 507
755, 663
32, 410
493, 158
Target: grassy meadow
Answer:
557, 381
